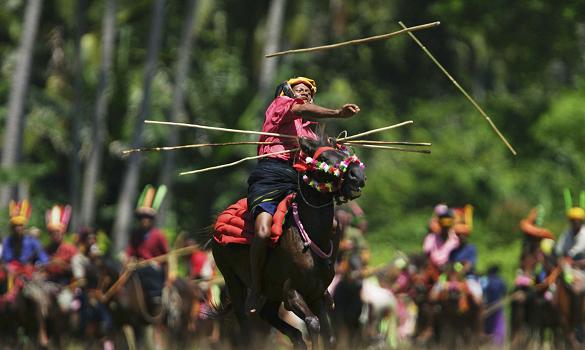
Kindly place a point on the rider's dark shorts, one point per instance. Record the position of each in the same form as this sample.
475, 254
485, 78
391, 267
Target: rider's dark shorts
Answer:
271, 180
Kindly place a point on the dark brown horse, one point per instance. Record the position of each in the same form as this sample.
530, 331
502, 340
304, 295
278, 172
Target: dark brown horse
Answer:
294, 274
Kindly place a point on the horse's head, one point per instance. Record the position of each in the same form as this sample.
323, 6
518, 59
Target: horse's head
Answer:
331, 168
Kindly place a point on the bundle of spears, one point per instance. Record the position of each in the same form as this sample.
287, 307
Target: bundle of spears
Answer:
353, 141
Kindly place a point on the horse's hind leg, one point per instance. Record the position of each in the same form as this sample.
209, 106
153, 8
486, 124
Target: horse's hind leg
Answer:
270, 314
237, 293
294, 302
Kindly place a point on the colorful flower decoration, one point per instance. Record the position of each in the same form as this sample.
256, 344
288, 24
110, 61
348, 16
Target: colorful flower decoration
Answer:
336, 170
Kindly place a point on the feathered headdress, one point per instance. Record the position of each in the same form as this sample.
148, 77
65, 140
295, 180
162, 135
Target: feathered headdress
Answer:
574, 212
150, 200
19, 212
57, 218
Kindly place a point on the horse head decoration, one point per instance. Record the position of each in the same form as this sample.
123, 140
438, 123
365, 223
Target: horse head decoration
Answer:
331, 169
299, 268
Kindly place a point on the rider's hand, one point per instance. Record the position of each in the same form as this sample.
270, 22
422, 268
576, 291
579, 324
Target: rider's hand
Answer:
348, 110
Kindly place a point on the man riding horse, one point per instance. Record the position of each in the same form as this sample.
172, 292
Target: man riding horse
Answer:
292, 112
20, 248
570, 250
148, 241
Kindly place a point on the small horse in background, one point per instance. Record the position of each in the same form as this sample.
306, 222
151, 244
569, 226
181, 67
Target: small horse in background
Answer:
570, 302
422, 276
294, 273
458, 320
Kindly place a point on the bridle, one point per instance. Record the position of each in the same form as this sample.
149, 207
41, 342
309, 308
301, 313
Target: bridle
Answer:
338, 170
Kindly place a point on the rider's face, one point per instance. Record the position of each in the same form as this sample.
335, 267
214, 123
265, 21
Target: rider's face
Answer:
576, 224
146, 222
303, 92
56, 235
18, 230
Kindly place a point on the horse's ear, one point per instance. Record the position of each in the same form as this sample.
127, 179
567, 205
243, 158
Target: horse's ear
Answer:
308, 146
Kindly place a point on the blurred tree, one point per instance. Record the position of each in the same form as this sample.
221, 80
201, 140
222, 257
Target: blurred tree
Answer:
12, 148
268, 68
77, 112
130, 181
93, 165
168, 171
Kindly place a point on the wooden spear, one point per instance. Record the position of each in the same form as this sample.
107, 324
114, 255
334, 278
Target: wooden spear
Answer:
375, 131
400, 149
356, 41
400, 143
481, 111
196, 145
220, 129
236, 162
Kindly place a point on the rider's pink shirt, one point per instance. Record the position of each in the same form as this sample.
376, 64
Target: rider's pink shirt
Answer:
439, 250
280, 119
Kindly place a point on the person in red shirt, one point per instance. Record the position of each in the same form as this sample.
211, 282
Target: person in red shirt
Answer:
147, 241
292, 112
60, 253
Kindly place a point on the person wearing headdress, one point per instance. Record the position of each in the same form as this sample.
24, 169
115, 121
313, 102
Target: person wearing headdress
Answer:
466, 253
532, 257
570, 250
439, 245
60, 252
464, 257
292, 112
20, 249
148, 241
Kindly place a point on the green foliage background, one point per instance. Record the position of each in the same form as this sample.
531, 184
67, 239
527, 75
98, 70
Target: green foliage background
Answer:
523, 61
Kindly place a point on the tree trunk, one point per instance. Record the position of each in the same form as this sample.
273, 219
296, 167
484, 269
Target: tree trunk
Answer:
13, 134
273, 31
168, 170
130, 181
94, 161
76, 113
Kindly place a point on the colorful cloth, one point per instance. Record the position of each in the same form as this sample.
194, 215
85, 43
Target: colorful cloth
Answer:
281, 120
439, 250
147, 246
31, 251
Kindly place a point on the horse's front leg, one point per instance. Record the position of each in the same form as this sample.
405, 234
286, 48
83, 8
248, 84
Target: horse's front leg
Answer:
323, 308
270, 313
293, 301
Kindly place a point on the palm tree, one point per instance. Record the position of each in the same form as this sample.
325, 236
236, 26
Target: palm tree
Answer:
13, 134
178, 112
130, 181
273, 32
76, 113
94, 161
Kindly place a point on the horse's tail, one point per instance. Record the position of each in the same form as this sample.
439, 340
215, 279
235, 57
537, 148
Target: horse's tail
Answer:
218, 311
204, 236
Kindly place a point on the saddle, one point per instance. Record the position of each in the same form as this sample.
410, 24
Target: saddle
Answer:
235, 226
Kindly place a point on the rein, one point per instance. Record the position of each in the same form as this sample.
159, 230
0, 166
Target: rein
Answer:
306, 239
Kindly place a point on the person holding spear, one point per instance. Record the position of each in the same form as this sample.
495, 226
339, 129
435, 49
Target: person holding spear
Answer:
292, 112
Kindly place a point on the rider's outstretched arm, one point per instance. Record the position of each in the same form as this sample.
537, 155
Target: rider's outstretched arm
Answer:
313, 112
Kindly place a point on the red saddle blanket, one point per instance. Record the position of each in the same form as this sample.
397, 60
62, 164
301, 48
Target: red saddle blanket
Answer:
234, 224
